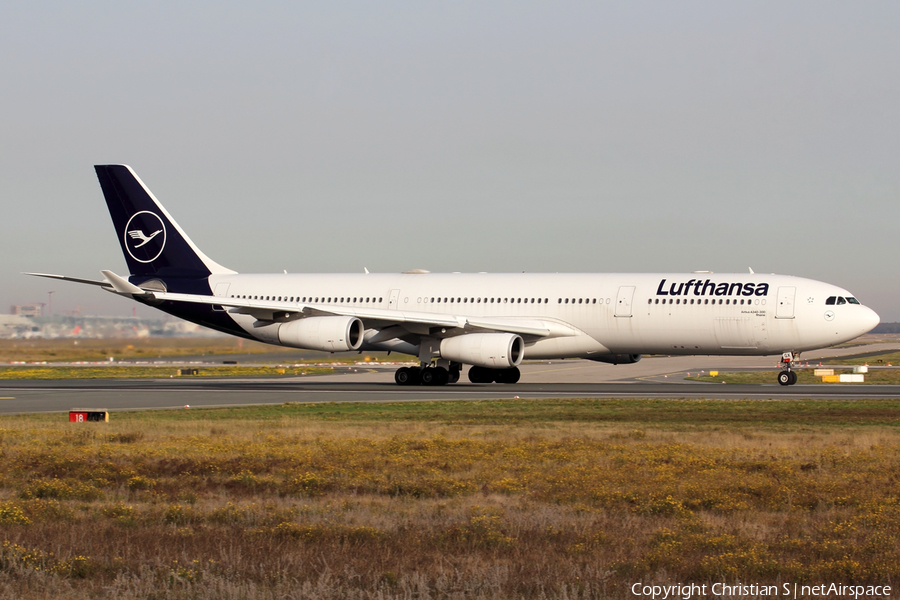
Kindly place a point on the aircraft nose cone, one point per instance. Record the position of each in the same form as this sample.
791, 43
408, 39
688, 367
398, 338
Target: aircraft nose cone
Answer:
870, 319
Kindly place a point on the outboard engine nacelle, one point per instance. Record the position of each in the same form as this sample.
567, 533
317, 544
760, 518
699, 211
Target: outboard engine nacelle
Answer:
616, 359
330, 334
491, 350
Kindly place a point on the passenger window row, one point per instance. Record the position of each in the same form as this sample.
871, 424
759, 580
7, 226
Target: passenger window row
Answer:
581, 301
326, 300
432, 299
515, 300
448, 300
699, 301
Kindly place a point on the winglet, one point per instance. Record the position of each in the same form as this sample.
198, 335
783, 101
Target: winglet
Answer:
122, 286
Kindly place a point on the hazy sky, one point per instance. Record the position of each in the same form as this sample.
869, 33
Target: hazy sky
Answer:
465, 136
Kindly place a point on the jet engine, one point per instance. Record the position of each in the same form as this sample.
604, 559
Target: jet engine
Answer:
616, 359
331, 334
491, 350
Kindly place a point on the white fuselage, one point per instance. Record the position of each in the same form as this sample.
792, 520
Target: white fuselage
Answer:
690, 313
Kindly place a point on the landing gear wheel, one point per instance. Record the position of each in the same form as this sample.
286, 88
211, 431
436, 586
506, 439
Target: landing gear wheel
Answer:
507, 375
435, 376
793, 377
784, 378
453, 374
480, 375
403, 376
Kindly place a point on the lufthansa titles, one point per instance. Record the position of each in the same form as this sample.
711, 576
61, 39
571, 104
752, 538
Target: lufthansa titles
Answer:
699, 287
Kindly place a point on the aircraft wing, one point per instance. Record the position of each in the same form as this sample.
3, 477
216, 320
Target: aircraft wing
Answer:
279, 311
270, 311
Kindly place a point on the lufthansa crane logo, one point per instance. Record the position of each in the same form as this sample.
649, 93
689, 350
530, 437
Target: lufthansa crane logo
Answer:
145, 236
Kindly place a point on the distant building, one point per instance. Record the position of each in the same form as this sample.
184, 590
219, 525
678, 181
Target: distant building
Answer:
26, 310
16, 326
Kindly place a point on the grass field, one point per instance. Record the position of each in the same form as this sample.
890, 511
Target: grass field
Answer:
499, 499
149, 349
64, 350
885, 358
156, 372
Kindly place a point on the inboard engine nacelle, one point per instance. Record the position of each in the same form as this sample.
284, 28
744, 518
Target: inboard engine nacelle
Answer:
330, 334
491, 350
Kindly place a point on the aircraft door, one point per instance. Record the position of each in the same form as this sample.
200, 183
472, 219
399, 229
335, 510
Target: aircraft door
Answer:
395, 297
624, 300
785, 308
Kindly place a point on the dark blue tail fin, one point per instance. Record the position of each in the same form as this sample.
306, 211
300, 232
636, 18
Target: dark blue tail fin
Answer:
151, 240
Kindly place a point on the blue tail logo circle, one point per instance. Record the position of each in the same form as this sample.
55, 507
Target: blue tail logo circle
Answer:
145, 236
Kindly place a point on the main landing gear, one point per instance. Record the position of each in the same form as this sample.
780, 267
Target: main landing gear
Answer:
483, 375
427, 375
787, 376
438, 375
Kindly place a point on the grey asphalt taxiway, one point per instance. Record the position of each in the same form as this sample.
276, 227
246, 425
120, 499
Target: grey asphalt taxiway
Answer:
59, 396
653, 377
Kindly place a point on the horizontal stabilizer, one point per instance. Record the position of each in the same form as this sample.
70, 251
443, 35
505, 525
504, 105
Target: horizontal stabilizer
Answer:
105, 284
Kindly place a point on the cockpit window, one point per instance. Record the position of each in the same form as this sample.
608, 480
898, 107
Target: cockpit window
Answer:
841, 300
852, 300
830, 300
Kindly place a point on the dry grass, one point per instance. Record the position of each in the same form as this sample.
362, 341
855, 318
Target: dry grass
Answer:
158, 372
296, 507
152, 348
57, 350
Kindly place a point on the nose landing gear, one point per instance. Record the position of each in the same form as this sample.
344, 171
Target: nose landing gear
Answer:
787, 376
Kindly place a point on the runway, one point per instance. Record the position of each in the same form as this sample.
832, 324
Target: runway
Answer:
60, 396
656, 377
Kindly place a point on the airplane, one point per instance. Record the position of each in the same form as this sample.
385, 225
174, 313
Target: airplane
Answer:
490, 322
